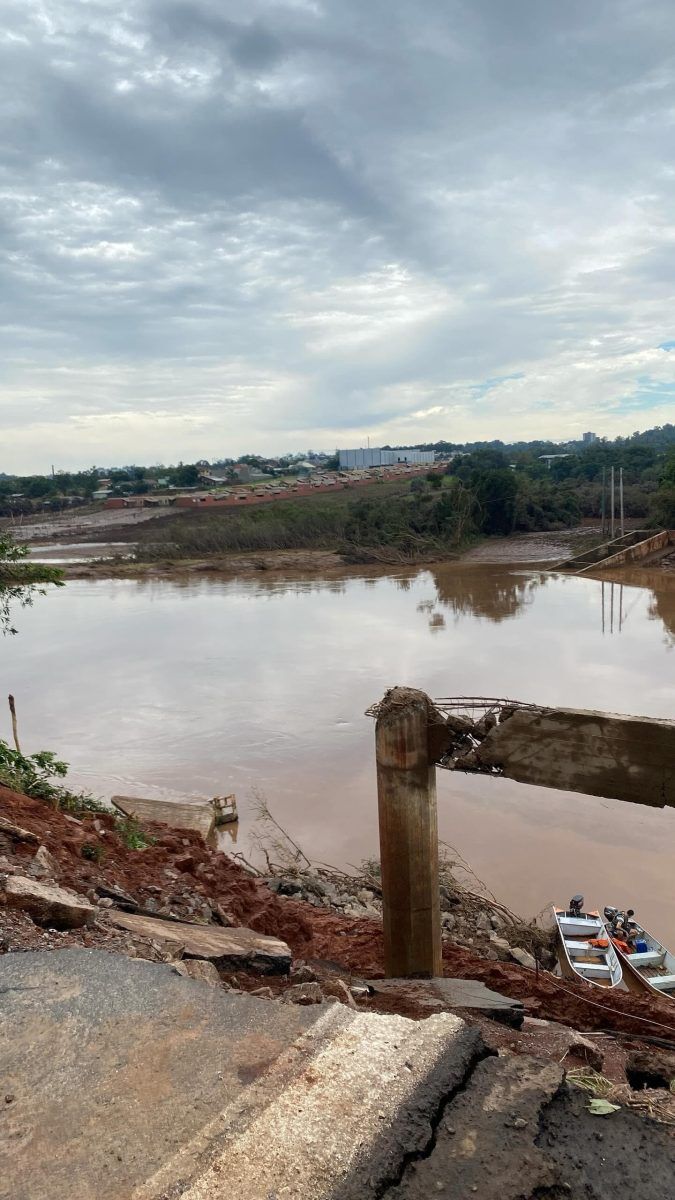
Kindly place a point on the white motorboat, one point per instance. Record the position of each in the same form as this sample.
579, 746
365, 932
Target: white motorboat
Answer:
585, 949
652, 968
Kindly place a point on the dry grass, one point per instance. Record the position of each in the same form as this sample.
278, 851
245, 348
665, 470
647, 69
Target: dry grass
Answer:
655, 1103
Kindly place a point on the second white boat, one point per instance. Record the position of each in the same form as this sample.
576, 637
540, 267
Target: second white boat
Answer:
652, 966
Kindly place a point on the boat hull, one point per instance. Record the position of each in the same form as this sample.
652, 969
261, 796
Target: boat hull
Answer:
579, 959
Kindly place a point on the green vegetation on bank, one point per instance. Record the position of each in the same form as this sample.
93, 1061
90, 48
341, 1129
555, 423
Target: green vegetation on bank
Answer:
401, 521
25, 494
482, 493
20, 581
34, 775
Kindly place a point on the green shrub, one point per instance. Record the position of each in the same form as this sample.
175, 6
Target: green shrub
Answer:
20, 580
131, 833
33, 775
92, 852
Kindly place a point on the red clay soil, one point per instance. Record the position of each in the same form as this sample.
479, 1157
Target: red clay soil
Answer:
579, 1005
181, 860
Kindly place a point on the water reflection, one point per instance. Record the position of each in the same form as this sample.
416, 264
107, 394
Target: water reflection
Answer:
619, 599
662, 602
496, 595
483, 592
662, 608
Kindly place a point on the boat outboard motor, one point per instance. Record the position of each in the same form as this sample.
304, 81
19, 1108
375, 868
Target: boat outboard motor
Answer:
577, 905
610, 912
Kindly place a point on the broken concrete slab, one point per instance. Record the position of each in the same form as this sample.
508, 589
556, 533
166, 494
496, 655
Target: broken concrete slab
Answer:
448, 994
339, 990
225, 947
200, 816
501, 947
129, 1081
48, 904
601, 754
344, 1127
121, 899
485, 1139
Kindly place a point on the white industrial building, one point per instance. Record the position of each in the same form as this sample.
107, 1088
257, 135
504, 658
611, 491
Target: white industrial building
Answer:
351, 460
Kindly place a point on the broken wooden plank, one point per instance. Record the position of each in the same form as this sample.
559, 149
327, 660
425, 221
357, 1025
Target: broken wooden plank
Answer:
225, 947
179, 815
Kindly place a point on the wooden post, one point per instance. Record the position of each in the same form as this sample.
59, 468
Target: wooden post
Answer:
406, 792
15, 728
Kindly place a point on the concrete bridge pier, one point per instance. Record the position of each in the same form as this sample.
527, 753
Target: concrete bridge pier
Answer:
406, 792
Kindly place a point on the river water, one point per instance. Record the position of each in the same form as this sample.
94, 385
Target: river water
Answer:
191, 688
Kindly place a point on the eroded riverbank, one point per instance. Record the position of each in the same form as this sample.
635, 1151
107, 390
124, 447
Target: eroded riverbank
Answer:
81, 561
333, 928
160, 980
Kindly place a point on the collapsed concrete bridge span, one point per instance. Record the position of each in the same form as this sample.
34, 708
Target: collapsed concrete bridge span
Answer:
575, 750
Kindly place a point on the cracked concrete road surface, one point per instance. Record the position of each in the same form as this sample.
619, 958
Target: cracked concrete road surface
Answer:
122, 1080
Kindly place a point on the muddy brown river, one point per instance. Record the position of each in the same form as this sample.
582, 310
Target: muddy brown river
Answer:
191, 688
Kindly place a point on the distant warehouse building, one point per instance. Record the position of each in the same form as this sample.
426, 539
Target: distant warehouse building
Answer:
351, 460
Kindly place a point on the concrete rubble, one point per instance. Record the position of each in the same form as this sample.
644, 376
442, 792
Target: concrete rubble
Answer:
197, 968
9, 829
471, 922
225, 947
44, 866
47, 904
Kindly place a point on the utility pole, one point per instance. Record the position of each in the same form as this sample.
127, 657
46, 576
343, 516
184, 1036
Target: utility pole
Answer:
621, 499
603, 512
611, 506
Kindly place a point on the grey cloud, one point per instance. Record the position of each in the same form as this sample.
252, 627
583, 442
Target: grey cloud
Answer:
181, 180
196, 152
251, 44
256, 47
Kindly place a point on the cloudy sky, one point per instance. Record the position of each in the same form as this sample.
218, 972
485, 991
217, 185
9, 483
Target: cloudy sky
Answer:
298, 223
